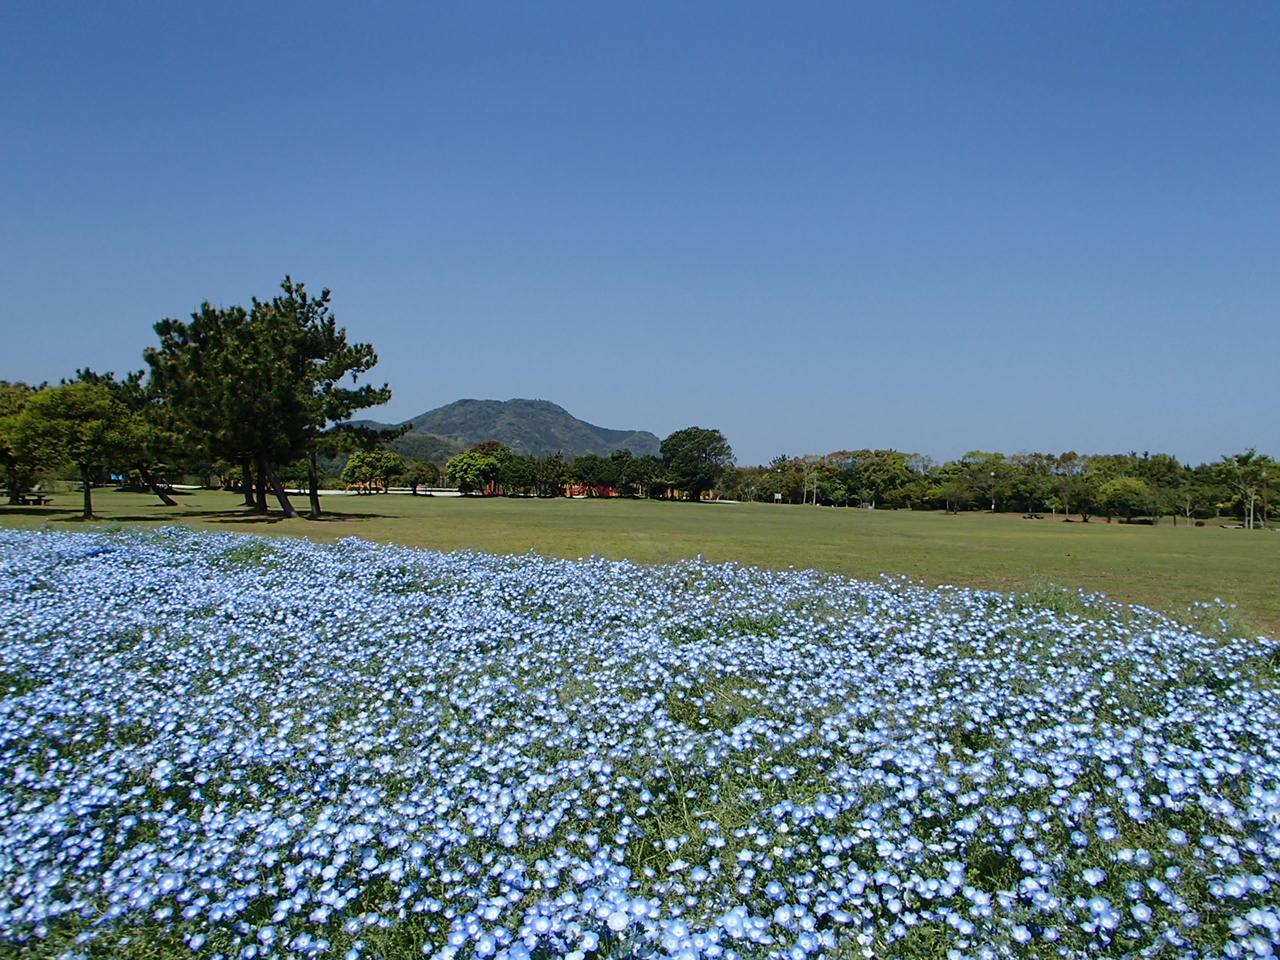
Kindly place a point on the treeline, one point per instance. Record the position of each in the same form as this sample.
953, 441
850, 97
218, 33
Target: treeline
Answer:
1129, 486
247, 394
692, 462
492, 469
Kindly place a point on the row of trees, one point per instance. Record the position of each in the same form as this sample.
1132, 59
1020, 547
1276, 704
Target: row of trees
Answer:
492, 468
1124, 485
233, 390
692, 462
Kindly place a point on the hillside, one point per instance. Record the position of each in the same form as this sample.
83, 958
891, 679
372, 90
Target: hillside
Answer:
536, 427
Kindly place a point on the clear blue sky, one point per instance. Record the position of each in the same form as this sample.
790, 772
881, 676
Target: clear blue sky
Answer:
930, 226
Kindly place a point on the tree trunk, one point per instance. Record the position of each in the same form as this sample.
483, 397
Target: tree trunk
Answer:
88, 496
260, 493
15, 488
278, 489
154, 487
313, 484
246, 480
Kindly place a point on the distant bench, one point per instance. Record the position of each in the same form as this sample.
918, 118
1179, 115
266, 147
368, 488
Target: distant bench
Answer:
1033, 516
34, 500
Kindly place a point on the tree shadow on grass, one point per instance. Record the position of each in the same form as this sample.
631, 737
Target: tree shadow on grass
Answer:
239, 517
222, 516
75, 517
144, 492
344, 517
166, 514
169, 516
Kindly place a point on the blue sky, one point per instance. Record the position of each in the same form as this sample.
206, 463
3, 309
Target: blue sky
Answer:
936, 227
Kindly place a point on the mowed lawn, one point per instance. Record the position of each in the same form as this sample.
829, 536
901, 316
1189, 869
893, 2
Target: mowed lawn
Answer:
1164, 567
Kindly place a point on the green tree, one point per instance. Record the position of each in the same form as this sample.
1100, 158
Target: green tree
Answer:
159, 443
954, 492
644, 475
198, 371
549, 475
1031, 481
1068, 469
478, 469
694, 459
988, 475
737, 483
592, 471
618, 462
518, 476
84, 425
328, 359
1166, 477
420, 473
1248, 476
1126, 496
370, 471
882, 473
260, 387
1194, 496
21, 463
497, 454
1082, 492
782, 478
809, 467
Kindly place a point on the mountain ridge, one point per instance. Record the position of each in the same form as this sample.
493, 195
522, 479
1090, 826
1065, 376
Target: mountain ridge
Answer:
528, 426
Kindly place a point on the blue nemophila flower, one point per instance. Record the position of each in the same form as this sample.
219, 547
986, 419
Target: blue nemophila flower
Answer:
1094, 876
273, 748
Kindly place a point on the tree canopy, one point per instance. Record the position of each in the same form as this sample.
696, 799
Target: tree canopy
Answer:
263, 386
478, 470
22, 461
694, 459
370, 471
80, 423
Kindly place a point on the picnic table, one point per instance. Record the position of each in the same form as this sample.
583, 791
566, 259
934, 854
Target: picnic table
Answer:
34, 499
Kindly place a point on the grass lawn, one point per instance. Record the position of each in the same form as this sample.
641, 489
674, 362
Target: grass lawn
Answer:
1161, 567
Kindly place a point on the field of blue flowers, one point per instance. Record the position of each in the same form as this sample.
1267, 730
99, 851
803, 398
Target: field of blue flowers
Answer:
222, 746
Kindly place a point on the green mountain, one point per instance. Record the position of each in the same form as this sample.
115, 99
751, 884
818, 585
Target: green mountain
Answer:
536, 427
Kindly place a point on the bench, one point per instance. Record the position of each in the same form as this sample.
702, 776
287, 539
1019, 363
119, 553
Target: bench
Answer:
34, 500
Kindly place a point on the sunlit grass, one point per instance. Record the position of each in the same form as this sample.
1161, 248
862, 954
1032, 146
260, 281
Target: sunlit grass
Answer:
1162, 567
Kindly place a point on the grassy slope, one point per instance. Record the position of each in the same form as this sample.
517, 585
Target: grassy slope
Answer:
1162, 567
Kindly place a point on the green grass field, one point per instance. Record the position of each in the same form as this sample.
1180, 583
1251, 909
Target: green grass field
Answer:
1163, 567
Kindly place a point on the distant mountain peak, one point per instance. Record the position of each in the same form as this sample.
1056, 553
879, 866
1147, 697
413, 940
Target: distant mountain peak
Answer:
528, 426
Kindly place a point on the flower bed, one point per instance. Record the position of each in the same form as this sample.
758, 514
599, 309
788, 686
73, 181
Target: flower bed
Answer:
226, 746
